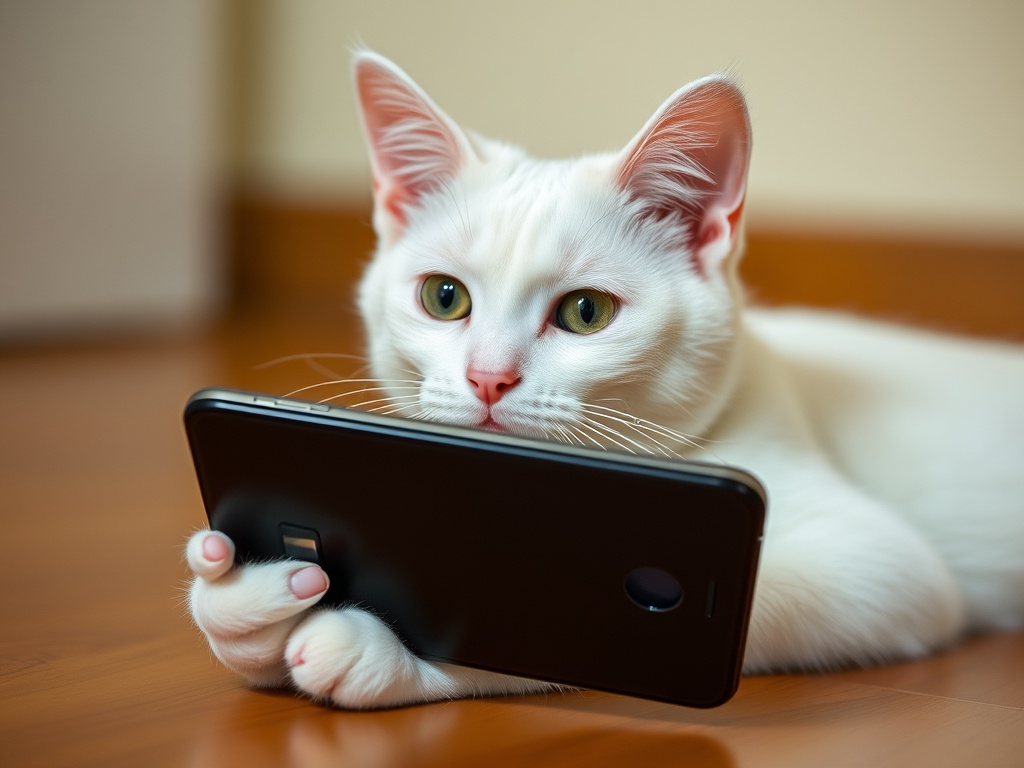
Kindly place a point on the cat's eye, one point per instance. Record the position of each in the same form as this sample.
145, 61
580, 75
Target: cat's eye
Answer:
584, 311
445, 298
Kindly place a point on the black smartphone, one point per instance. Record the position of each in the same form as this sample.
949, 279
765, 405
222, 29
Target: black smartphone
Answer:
589, 568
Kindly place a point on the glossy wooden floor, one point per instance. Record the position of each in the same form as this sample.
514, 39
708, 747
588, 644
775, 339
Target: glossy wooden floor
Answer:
100, 666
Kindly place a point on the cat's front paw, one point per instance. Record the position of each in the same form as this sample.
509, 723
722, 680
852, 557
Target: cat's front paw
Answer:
350, 658
258, 622
247, 613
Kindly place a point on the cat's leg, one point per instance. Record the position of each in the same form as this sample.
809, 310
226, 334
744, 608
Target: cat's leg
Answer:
258, 622
843, 581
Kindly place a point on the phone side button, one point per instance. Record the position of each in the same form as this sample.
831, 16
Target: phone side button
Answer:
300, 543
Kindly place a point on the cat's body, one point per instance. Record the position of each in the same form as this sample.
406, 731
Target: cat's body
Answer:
595, 301
891, 479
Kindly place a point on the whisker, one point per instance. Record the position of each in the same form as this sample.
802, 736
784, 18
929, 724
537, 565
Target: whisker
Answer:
659, 447
306, 356
312, 361
562, 433
612, 400
364, 390
614, 433
591, 426
582, 438
337, 382
644, 429
652, 431
323, 370
559, 433
392, 409
375, 406
365, 403
639, 424
416, 374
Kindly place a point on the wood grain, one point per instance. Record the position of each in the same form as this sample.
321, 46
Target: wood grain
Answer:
99, 665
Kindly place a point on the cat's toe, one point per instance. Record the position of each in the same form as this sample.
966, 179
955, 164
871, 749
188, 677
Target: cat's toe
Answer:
351, 659
321, 652
210, 554
255, 596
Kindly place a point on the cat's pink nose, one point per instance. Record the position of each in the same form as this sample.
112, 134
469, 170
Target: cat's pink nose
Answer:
490, 387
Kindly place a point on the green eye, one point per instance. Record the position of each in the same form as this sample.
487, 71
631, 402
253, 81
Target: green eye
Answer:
445, 298
585, 311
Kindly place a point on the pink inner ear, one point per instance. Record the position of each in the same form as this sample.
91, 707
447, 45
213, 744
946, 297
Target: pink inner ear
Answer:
708, 231
390, 200
413, 144
689, 164
393, 200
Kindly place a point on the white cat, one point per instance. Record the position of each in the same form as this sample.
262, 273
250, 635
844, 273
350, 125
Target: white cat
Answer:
595, 301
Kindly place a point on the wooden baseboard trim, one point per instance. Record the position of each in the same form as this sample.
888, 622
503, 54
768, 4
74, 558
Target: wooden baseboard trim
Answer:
950, 286
308, 258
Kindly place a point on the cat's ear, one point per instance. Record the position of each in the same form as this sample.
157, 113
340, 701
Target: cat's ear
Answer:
689, 164
414, 146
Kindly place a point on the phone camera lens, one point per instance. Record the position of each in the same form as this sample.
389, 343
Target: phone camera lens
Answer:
653, 589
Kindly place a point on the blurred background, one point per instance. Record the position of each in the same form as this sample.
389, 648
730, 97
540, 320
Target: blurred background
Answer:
165, 162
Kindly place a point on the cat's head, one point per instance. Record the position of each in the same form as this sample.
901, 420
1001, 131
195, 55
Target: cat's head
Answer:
583, 300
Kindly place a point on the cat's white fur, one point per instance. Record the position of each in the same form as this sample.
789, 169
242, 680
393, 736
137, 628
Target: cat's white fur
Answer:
894, 458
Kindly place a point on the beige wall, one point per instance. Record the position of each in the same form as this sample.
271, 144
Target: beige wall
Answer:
877, 113
109, 165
